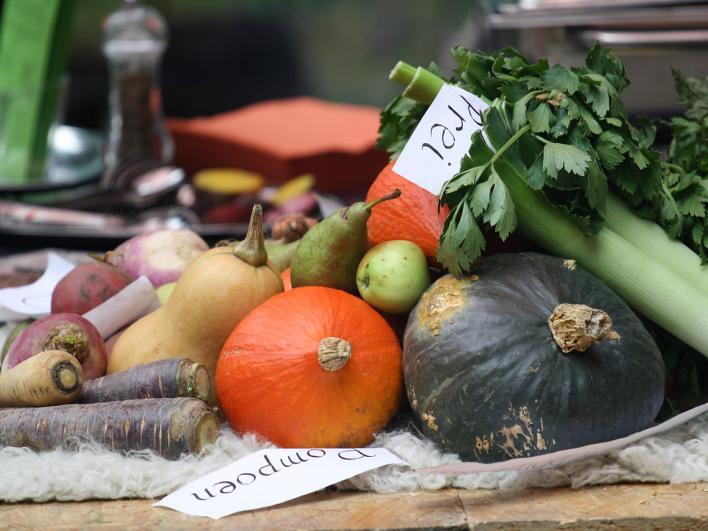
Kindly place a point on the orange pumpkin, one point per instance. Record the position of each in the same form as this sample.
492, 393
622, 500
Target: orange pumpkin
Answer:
413, 216
312, 367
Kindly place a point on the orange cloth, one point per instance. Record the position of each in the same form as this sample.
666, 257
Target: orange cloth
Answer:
281, 139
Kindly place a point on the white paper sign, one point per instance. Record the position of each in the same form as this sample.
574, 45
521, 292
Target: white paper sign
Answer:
125, 307
442, 138
34, 300
273, 476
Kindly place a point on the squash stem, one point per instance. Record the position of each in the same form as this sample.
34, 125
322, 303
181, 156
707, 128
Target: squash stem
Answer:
252, 249
577, 327
393, 195
333, 353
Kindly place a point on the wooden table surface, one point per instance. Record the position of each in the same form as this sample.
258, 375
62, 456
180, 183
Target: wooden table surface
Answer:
631, 507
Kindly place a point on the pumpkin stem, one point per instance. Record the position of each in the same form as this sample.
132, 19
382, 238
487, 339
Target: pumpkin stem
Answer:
579, 327
333, 353
392, 195
252, 249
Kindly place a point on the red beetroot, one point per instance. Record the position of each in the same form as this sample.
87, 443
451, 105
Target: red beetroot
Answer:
86, 286
61, 331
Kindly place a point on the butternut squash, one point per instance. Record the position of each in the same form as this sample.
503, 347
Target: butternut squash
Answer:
214, 293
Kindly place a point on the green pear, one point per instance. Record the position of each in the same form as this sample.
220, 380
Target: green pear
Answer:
330, 252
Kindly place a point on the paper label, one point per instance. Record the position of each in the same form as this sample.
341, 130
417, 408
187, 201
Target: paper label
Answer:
563, 457
273, 476
125, 307
442, 138
35, 300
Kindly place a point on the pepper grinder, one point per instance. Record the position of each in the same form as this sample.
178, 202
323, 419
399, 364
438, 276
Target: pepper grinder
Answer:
134, 39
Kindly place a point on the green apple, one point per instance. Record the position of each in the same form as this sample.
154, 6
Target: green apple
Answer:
393, 275
164, 291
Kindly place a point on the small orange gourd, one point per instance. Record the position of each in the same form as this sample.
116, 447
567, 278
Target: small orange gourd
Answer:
413, 216
311, 367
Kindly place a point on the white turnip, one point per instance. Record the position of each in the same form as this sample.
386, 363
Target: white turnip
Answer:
161, 255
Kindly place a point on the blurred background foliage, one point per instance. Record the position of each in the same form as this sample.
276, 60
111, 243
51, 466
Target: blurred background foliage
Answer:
224, 54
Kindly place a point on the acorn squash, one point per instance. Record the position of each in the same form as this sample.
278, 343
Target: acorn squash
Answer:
528, 355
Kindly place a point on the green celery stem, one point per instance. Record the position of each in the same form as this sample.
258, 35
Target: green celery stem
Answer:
647, 235
424, 86
645, 284
420, 84
402, 73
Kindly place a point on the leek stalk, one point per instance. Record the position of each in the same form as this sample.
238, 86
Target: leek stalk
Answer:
660, 278
648, 235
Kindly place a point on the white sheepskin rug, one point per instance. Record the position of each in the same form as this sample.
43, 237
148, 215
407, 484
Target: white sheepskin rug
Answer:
92, 472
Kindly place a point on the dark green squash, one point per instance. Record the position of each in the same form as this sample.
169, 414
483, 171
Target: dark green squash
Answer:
488, 380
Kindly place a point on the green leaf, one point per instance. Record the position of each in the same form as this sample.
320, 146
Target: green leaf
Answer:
464, 179
495, 128
627, 177
614, 121
519, 111
560, 128
500, 213
602, 61
536, 179
692, 205
637, 155
599, 99
697, 233
564, 157
462, 242
540, 118
578, 111
560, 78
608, 147
645, 133
479, 200
596, 187
479, 152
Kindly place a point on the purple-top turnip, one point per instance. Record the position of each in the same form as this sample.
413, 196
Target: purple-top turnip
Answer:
161, 255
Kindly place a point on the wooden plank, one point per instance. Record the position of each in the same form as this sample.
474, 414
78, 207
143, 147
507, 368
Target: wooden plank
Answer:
637, 507
670, 507
345, 510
